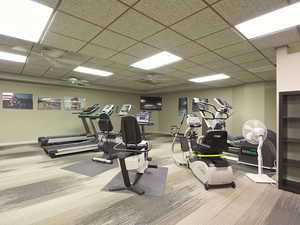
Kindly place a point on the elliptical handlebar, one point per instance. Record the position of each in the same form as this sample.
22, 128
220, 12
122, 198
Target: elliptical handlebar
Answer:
204, 108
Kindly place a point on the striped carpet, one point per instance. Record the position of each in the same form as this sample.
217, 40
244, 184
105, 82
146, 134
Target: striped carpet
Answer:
35, 190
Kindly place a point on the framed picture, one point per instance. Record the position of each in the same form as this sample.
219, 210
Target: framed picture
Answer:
182, 106
17, 101
74, 103
45, 103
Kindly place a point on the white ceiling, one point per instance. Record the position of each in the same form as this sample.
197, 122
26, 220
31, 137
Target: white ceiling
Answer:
112, 34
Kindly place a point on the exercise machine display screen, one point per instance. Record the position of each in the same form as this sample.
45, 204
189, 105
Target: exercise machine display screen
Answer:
143, 117
108, 109
150, 103
125, 110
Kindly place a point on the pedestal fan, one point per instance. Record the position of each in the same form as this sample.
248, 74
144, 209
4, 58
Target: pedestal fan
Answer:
255, 132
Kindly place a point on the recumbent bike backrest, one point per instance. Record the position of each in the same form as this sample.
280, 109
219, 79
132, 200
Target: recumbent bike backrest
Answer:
104, 123
130, 129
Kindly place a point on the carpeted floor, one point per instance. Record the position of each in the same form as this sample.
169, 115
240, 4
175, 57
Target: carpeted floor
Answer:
36, 189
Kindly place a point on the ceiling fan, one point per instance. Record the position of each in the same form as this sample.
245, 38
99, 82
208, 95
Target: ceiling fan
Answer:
56, 58
153, 79
77, 82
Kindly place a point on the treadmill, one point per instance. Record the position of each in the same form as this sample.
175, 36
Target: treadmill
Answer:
50, 140
75, 147
91, 144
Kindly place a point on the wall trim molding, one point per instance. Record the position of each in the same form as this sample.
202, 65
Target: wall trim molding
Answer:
18, 143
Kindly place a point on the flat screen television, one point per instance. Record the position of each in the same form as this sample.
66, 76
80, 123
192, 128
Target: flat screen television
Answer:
150, 103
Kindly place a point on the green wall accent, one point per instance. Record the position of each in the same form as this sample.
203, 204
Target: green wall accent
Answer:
250, 101
27, 125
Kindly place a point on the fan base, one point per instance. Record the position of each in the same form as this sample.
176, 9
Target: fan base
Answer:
260, 178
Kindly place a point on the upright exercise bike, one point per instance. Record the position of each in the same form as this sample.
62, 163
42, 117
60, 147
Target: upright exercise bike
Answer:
108, 139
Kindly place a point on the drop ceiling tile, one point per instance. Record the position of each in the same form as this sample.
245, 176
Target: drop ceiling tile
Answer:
113, 40
235, 50
218, 64
212, 1
87, 77
240, 74
135, 25
141, 50
250, 79
252, 56
38, 60
14, 42
181, 75
201, 24
166, 39
205, 58
188, 50
97, 51
165, 70
221, 39
229, 69
10, 67
257, 65
277, 39
183, 64
101, 62
270, 53
224, 83
101, 12
55, 73
50, 3
73, 27
197, 70
124, 59
169, 11
120, 67
62, 42
238, 11
269, 75
34, 70
129, 2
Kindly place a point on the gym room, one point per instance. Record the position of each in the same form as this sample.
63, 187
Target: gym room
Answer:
139, 112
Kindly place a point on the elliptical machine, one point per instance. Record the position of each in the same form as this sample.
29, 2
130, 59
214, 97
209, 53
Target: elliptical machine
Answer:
204, 154
246, 152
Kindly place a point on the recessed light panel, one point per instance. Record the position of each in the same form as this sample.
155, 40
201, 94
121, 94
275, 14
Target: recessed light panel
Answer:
23, 19
156, 61
209, 78
12, 57
271, 22
102, 73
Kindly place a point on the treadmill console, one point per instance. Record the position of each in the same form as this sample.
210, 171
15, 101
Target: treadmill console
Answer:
222, 103
125, 110
143, 117
90, 109
108, 109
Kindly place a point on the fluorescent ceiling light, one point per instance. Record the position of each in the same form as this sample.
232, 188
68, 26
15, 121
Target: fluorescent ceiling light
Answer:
210, 78
23, 19
82, 69
12, 57
271, 22
157, 60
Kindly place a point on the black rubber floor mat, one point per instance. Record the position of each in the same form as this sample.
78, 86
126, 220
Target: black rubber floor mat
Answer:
90, 168
153, 182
